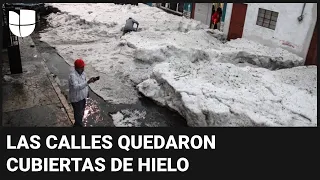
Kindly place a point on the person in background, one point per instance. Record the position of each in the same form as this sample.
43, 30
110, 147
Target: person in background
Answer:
213, 11
216, 18
220, 11
129, 26
220, 15
79, 91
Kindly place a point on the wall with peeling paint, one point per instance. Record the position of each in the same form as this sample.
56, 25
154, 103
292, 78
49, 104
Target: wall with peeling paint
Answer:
289, 34
203, 13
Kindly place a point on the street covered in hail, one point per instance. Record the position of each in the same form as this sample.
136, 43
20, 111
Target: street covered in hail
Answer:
184, 66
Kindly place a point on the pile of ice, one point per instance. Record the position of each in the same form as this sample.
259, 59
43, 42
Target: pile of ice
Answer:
222, 94
150, 18
7, 78
184, 66
245, 51
128, 118
152, 47
92, 32
217, 34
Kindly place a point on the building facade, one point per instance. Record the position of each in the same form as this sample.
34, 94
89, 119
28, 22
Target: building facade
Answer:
198, 11
291, 26
204, 11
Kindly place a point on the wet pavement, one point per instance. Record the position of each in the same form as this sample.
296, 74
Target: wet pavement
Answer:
98, 112
29, 99
38, 116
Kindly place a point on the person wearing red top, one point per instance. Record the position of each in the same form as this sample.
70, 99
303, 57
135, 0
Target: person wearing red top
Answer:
216, 18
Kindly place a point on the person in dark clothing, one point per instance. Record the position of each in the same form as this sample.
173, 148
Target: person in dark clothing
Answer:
213, 11
220, 11
129, 26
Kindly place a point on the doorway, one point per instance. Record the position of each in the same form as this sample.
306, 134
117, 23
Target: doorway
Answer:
215, 7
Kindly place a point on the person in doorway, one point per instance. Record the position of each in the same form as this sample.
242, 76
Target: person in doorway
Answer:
129, 26
220, 11
216, 18
213, 11
220, 16
79, 91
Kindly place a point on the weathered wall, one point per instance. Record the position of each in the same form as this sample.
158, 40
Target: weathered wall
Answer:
203, 13
289, 34
227, 18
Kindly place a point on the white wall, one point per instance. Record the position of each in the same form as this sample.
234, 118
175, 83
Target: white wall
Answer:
203, 12
227, 18
289, 34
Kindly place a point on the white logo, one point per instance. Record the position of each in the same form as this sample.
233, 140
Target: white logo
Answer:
24, 24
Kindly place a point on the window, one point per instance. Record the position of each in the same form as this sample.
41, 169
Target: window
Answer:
267, 19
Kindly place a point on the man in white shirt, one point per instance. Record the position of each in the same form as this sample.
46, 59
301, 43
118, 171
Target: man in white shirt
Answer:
79, 91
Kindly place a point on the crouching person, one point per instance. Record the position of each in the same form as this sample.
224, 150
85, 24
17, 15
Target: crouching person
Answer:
79, 91
129, 26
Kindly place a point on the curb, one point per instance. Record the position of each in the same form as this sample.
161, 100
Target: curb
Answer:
61, 97
56, 88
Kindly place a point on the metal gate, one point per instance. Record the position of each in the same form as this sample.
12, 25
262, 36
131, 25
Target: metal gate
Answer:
11, 42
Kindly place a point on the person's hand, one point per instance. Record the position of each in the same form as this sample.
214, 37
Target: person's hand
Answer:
91, 80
